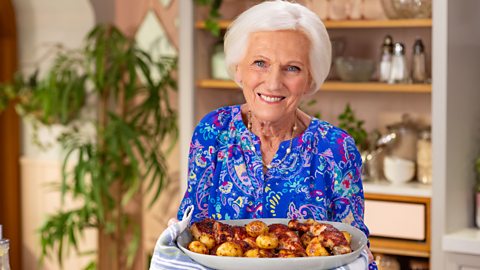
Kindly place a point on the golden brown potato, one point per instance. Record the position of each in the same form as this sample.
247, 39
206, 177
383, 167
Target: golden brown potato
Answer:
315, 248
348, 236
229, 249
198, 247
256, 228
207, 240
252, 253
267, 241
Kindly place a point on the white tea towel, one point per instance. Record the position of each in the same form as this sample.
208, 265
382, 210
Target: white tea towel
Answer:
168, 256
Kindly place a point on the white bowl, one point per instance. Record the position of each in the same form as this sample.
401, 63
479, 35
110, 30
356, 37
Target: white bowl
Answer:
359, 241
398, 170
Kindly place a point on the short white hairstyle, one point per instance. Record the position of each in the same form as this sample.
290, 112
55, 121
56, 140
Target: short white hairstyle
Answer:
280, 15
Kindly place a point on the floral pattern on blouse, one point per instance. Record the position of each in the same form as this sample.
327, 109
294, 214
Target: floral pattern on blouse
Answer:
319, 179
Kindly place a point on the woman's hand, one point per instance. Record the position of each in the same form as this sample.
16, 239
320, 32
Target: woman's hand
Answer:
370, 255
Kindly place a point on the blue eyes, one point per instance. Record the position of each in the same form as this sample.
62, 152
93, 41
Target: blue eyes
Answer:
293, 68
262, 64
259, 63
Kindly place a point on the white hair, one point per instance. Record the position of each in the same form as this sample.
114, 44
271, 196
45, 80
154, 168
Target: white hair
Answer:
280, 15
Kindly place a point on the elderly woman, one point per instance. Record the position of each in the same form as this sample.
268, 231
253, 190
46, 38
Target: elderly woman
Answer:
267, 158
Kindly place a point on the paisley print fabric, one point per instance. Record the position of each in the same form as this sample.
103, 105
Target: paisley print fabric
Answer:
319, 179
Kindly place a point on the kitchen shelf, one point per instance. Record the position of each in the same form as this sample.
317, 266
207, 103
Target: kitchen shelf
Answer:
384, 187
398, 247
348, 24
463, 241
336, 86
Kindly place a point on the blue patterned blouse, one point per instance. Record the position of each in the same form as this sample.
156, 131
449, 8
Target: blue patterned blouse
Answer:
319, 179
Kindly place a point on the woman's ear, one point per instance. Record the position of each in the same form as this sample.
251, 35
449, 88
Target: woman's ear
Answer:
238, 75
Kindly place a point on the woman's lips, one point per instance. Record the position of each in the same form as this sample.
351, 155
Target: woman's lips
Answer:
271, 99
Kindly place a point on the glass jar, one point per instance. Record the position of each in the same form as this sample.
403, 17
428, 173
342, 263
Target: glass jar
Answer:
4, 247
219, 69
424, 156
385, 262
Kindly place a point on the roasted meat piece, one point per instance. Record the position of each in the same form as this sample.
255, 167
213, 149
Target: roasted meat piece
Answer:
251, 242
239, 232
203, 226
331, 238
223, 232
287, 239
298, 226
278, 228
283, 253
290, 241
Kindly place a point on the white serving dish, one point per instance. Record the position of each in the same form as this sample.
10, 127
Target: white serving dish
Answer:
359, 241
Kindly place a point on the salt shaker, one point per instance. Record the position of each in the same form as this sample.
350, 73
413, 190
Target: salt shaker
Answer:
418, 62
386, 59
4, 247
399, 70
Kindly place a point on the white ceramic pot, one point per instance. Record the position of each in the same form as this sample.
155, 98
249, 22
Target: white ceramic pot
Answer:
398, 170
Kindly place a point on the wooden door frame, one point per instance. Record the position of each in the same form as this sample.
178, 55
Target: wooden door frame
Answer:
10, 211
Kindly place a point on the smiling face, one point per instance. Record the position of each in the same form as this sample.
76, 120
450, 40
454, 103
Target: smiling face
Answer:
274, 73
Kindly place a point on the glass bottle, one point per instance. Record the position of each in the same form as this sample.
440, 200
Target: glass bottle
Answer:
477, 194
399, 70
4, 247
385, 59
424, 156
219, 69
419, 74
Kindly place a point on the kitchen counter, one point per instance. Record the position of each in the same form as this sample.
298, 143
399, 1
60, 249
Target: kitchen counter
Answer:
463, 241
384, 187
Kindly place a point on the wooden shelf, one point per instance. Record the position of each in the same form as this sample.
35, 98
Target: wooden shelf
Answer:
398, 247
335, 86
406, 23
347, 24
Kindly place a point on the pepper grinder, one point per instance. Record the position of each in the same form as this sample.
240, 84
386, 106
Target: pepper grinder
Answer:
386, 59
399, 70
418, 62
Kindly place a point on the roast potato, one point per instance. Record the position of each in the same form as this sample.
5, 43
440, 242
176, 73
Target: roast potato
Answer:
252, 253
256, 228
230, 249
207, 240
348, 236
315, 248
198, 247
267, 241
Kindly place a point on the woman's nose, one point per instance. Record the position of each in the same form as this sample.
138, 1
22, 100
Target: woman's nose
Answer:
274, 79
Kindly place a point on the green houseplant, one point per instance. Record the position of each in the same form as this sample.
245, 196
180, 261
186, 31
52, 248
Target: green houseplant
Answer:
122, 94
211, 22
354, 126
